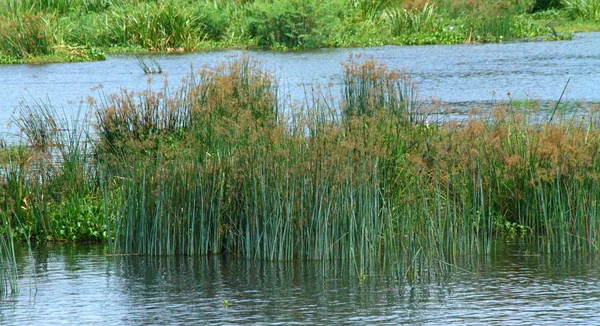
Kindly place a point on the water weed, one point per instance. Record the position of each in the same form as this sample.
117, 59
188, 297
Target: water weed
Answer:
153, 67
217, 165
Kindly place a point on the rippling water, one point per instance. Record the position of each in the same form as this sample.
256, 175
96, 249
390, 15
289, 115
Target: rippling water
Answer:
461, 75
83, 285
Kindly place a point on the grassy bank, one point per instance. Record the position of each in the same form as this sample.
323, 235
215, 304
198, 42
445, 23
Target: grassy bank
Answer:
59, 30
368, 181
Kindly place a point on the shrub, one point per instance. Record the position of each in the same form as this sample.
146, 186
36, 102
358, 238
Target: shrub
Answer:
288, 23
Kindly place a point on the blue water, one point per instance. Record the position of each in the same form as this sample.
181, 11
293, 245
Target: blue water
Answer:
459, 75
83, 285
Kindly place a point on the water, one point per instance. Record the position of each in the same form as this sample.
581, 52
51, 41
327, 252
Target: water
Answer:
81, 284
460, 75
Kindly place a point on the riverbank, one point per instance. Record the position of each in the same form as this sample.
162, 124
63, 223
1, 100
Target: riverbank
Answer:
65, 31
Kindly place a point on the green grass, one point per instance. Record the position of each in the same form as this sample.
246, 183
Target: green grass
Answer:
58, 30
582, 9
219, 166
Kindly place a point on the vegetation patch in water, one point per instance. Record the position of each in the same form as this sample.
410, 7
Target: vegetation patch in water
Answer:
370, 181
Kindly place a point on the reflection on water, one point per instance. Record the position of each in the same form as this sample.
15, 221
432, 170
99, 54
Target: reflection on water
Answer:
455, 74
84, 285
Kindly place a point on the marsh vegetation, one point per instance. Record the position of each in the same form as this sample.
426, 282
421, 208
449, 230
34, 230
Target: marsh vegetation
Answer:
60, 30
367, 180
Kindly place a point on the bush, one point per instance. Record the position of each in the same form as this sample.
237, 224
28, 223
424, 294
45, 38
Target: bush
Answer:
543, 5
289, 23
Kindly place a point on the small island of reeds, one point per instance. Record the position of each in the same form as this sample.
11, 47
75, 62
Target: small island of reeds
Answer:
366, 180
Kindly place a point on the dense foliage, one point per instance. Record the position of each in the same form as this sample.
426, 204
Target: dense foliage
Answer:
85, 29
368, 181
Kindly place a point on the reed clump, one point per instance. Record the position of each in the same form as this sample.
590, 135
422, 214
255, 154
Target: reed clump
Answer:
156, 26
25, 36
219, 165
49, 186
369, 180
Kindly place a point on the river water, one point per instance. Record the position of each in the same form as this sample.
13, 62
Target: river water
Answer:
460, 75
83, 285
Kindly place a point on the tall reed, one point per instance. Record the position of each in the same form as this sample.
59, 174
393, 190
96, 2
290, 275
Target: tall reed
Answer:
413, 20
582, 9
51, 187
219, 166
8, 264
322, 189
12, 160
23, 36
157, 26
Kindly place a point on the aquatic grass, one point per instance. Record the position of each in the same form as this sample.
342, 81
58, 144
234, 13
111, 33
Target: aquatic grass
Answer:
169, 215
25, 36
480, 21
370, 88
75, 30
273, 193
13, 203
167, 26
149, 68
134, 123
218, 166
130, 123
413, 20
51, 186
158, 27
534, 185
373, 191
8, 265
54, 6
582, 9
370, 10
290, 23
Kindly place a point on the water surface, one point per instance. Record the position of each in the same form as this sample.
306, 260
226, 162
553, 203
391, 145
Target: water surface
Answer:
81, 284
